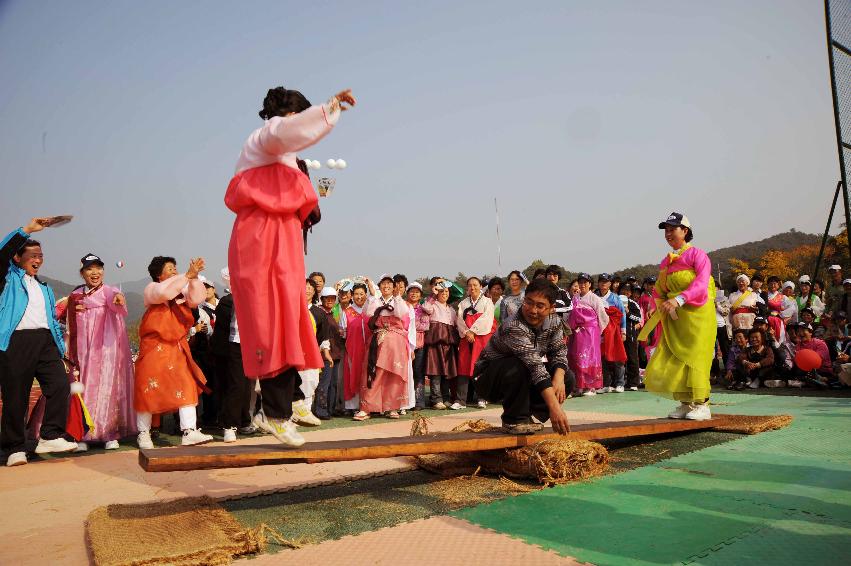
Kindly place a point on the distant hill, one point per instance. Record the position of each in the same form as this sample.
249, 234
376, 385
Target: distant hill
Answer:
749, 252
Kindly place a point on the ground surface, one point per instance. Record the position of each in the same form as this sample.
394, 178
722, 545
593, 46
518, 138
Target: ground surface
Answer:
780, 497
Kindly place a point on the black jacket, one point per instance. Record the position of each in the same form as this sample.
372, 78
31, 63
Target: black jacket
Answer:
221, 332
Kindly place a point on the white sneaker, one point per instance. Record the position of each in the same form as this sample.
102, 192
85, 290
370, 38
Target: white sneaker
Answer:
284, 430
795, 383
456, 406
55, 445
17, 459
602, 390
699, 413
754, 384
403, 412
144, 440
193, 436
111, 445
302, 414
482, 404
589, 393
619, 389
230, 434
633, 388
81, 447
681, 411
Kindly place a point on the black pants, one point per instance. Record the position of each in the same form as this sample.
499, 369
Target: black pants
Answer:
633, 378
279, 392
210, 402
32, 353
438, 389
234, 388
507, 380
741, 375
419, 378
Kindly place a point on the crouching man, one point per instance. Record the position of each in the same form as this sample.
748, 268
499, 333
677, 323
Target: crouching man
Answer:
524, 365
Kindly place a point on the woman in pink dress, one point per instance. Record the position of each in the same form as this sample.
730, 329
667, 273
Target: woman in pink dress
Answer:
98, 347
584, 347
384, 388
357, 341
273, 198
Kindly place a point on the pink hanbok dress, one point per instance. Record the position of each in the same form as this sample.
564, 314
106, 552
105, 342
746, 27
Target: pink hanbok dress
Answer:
584, 347
271, 198
387, 390
99, 348
354, 364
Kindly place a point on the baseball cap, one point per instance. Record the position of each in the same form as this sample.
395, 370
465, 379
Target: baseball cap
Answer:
604, 277
804, 279
414, 285
631, 279
584, 277
206, 282
90, 259
840, 314
675, 219
835, 267
760, 319
328, 292
846, 281
803, 325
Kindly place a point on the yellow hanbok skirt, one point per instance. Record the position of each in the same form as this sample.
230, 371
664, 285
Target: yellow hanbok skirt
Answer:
680, 365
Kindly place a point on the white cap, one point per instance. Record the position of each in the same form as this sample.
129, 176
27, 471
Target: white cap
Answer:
804, 279
846, 281
789, 284
385, 276
743, 276
835, 267
328, 292
414, 285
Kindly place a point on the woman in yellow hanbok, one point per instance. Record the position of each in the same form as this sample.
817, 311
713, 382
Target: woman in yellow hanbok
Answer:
685, 300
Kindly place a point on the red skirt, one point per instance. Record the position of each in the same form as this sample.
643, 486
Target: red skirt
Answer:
613, 350
468, 354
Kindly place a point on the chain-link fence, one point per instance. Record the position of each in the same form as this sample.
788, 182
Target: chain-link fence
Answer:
839, 37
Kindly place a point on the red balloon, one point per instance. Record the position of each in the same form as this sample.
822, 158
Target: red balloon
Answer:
807, 360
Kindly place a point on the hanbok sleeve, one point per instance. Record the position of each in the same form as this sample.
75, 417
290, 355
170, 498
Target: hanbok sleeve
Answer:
428, 306
109, 294
290, 134
459, 319
164, 291
602, 315
484, 324
817, 305
697, 293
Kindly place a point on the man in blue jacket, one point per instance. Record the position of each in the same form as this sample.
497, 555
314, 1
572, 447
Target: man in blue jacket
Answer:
31, 346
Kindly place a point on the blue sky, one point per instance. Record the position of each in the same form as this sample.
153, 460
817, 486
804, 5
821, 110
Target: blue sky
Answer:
588, 121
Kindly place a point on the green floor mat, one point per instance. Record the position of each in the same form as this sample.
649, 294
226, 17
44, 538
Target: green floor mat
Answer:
727, 504
786, 542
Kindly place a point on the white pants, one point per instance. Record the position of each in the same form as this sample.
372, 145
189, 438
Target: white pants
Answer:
309, 383
353, 404
187, 419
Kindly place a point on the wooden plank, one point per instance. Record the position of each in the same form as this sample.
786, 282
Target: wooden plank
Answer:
235, 456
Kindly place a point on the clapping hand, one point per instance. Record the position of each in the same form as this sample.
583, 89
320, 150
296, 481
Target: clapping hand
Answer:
196, 266
345, 96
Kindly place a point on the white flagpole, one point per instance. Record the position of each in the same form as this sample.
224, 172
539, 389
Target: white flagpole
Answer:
498, 243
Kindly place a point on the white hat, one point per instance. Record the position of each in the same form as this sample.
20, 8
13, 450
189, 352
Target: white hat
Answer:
226, 275
835, 267
328, 292
743, 276
804, 279
789, 284
414, 285
846, 281
385, 276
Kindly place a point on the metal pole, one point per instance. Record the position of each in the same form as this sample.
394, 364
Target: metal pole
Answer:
498, 242
826, 233
837, 125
